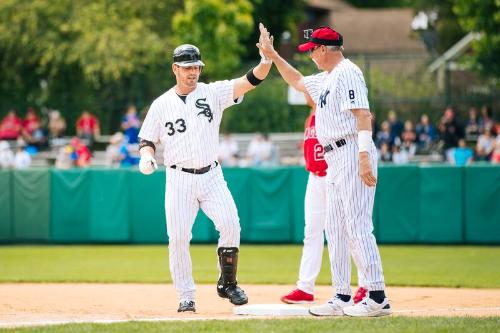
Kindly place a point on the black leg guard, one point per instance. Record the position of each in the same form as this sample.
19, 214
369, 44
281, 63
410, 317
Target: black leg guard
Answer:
227, 286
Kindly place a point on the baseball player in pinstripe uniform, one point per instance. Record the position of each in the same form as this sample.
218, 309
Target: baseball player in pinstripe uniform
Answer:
186, 120
343, 127
314, 212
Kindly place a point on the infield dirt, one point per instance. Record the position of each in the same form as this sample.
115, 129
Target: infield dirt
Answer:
33, 304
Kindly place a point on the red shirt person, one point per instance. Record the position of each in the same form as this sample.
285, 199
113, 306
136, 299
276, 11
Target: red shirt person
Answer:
11, 126
31, 124
87, 126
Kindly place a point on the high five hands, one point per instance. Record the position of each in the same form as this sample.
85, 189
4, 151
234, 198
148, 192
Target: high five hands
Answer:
265, 44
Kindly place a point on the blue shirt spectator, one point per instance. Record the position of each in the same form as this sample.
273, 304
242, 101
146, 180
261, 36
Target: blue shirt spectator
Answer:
131, 124
462, 155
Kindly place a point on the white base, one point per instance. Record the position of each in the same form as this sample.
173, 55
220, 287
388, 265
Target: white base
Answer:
271, 310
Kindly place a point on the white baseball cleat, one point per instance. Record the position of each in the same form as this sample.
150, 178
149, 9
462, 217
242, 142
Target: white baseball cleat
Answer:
369, 308
333, 307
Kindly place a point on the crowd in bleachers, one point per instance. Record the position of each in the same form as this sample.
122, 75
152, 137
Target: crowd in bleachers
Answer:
459, 143
476, 138
34, 135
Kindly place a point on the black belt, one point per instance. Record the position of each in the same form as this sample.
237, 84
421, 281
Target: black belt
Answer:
338, 143
197, 171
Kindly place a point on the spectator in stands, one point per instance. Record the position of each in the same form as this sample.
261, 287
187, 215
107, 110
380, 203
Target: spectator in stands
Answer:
473, 126
451, 132
462, 155
63, 159
113, 155
485, 145
395, 124
22, 160
6, 155
486, 120
400, 156
261, 151
131, 124
426, 134
228, 150
87, 127
32, 130
384, 136
80, 154
57, 124
408, 138
11, 126
385, 153
118, 152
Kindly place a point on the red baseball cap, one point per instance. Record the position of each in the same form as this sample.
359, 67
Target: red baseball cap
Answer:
321, 36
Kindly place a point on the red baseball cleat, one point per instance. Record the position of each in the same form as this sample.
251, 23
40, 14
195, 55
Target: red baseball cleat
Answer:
297, 296
360, 294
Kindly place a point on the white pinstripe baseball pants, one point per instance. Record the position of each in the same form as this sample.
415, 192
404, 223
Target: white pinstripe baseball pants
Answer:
185, 194
349, 220
315, 205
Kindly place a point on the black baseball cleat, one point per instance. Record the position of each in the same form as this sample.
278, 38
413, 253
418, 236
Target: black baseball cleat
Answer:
186, 306
234, 293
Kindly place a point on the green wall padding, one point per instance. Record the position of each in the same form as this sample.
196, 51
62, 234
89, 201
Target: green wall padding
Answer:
70, 205
441, 210
5, 206
482, 204
299, 178
31, 190
435, 204
147, 207
109, 210
398, 204
271, 206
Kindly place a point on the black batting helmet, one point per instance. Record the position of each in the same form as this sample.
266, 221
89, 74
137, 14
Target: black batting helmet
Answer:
187, 55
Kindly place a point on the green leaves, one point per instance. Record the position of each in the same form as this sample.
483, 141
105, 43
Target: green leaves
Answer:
217, 27
106, 39
482, 16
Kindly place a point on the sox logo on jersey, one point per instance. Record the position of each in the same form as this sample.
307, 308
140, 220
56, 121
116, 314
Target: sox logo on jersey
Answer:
205, 109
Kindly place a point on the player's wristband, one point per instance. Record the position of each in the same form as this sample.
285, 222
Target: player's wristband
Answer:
364, 140
254, 81
146, 143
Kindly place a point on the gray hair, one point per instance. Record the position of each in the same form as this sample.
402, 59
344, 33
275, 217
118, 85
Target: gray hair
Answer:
335, 48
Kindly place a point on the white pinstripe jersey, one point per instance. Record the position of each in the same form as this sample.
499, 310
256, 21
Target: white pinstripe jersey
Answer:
335, 94
189, 132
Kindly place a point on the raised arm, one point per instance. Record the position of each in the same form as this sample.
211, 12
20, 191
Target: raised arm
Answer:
292, 76
255, 75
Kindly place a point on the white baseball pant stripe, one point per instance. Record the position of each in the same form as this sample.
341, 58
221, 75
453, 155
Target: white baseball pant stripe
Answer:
185, 194
349, 220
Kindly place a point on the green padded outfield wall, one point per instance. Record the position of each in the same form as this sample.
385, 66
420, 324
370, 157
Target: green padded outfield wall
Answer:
6, 233
435, 204
398, 204
31, 209
109, 205
441, 211
147, 207
70, 205
482, 204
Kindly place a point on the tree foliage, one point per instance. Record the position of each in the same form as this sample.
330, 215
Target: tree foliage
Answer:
217, 27
446, 26
482, 16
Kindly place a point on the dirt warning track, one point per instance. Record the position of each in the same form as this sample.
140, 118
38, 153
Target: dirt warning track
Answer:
39, 303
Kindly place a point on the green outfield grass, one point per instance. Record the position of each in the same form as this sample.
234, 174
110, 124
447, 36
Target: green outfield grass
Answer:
338, 325
439, 266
